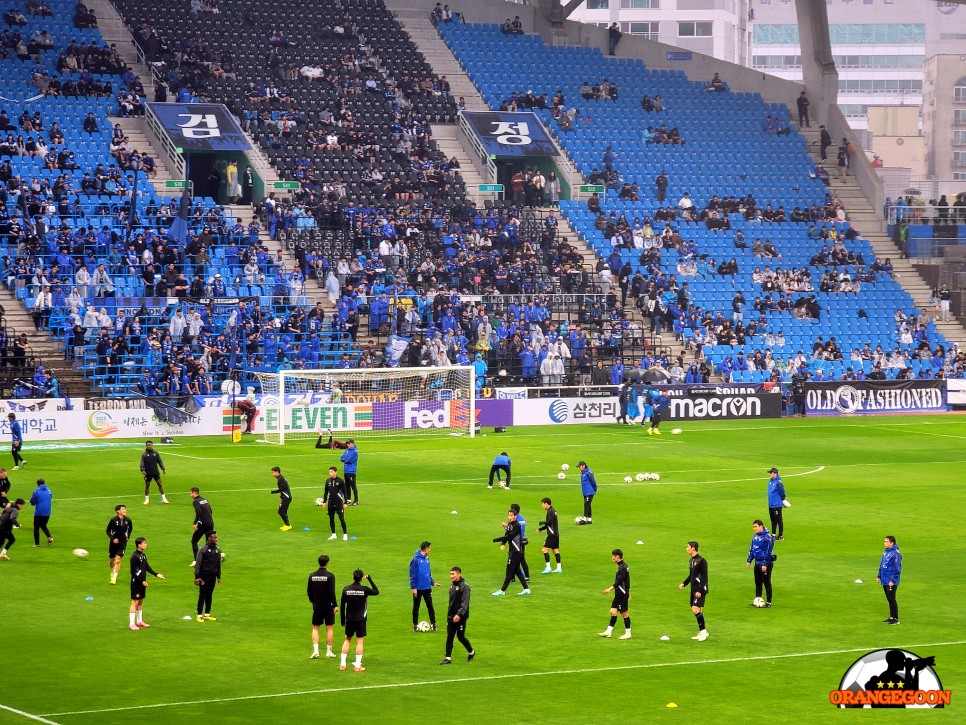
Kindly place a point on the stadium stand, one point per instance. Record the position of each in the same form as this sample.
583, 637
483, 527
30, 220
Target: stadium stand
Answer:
730, 163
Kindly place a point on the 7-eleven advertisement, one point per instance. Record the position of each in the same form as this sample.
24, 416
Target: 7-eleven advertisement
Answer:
421, 414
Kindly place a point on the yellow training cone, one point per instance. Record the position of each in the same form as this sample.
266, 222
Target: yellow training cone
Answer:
672, 704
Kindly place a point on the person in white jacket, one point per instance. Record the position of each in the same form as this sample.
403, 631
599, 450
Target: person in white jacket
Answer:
177, 326
547, 369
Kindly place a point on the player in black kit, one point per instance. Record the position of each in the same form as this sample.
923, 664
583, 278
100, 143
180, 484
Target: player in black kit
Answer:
203, 523
139, 583
513, 538
622, 595
321, 591
334, 499
4, 488
118, 533
151, 468
552, 542
207, 575
698, 579
354, 609
457, 614
285, 497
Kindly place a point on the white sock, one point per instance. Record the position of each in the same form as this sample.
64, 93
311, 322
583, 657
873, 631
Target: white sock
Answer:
627, 631
3, 552
358, 662
328, 649
133, 620
315, 649
608, 630
342, 659
139, 616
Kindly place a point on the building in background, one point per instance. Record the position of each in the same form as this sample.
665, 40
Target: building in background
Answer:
880, 46
719, 28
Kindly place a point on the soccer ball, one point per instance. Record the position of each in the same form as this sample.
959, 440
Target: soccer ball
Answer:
561, 475
319, 502
676, 431
578, 519
758, 602
564, 466
223, 556
423, 627
627, 479
640, 477
80, 553
786, 503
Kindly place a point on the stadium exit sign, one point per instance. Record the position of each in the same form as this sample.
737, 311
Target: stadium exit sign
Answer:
286, 185
491, 187
592, 189
174, 184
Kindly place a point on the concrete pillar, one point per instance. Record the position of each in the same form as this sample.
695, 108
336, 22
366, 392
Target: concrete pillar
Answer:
818, 68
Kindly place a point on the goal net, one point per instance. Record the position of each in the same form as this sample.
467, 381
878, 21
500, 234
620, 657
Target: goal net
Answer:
302, 404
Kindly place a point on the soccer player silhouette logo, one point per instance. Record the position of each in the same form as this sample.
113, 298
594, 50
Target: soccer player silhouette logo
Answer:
891, 678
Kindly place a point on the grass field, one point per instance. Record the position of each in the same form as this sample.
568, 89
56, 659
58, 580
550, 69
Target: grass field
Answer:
69, 659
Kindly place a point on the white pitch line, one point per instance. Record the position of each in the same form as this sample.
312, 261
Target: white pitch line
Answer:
923, 432
544, 481
27, 715
509, 676
197, 458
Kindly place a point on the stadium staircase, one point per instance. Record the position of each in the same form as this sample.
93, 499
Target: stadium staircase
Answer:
869, 222
44, 350
416, 23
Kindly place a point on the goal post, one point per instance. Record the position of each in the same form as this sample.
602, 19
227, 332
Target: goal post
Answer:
360, 402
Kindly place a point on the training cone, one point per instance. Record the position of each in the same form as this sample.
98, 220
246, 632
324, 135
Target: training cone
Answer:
672, 704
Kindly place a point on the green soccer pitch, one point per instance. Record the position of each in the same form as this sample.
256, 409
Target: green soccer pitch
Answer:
68, 656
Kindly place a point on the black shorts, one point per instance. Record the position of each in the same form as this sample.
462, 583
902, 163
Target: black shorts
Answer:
552, 542
114, 550
620, 604
138, 591
325, 616
699, 602
355, 629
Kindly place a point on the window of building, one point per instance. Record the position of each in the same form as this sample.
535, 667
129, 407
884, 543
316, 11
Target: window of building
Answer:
959, 92
779, 62
959, 116
640, 4
695, 29
959, 159
849, 34
854, 110
959, 138
650, 31
899, 62
959, 176
598, 4
865, 85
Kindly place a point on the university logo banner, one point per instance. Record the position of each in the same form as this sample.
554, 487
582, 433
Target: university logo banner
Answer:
201, 126
511, 135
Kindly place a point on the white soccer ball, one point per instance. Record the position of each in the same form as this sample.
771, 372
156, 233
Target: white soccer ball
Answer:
758, 602
787, 504
655, 476
564, 466
561, 475
319, 502
578, 519
676, 431
627, 479
223, 556
80, 553
640, 477
424, 627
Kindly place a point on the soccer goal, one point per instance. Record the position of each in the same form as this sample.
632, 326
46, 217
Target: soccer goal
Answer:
302, 404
